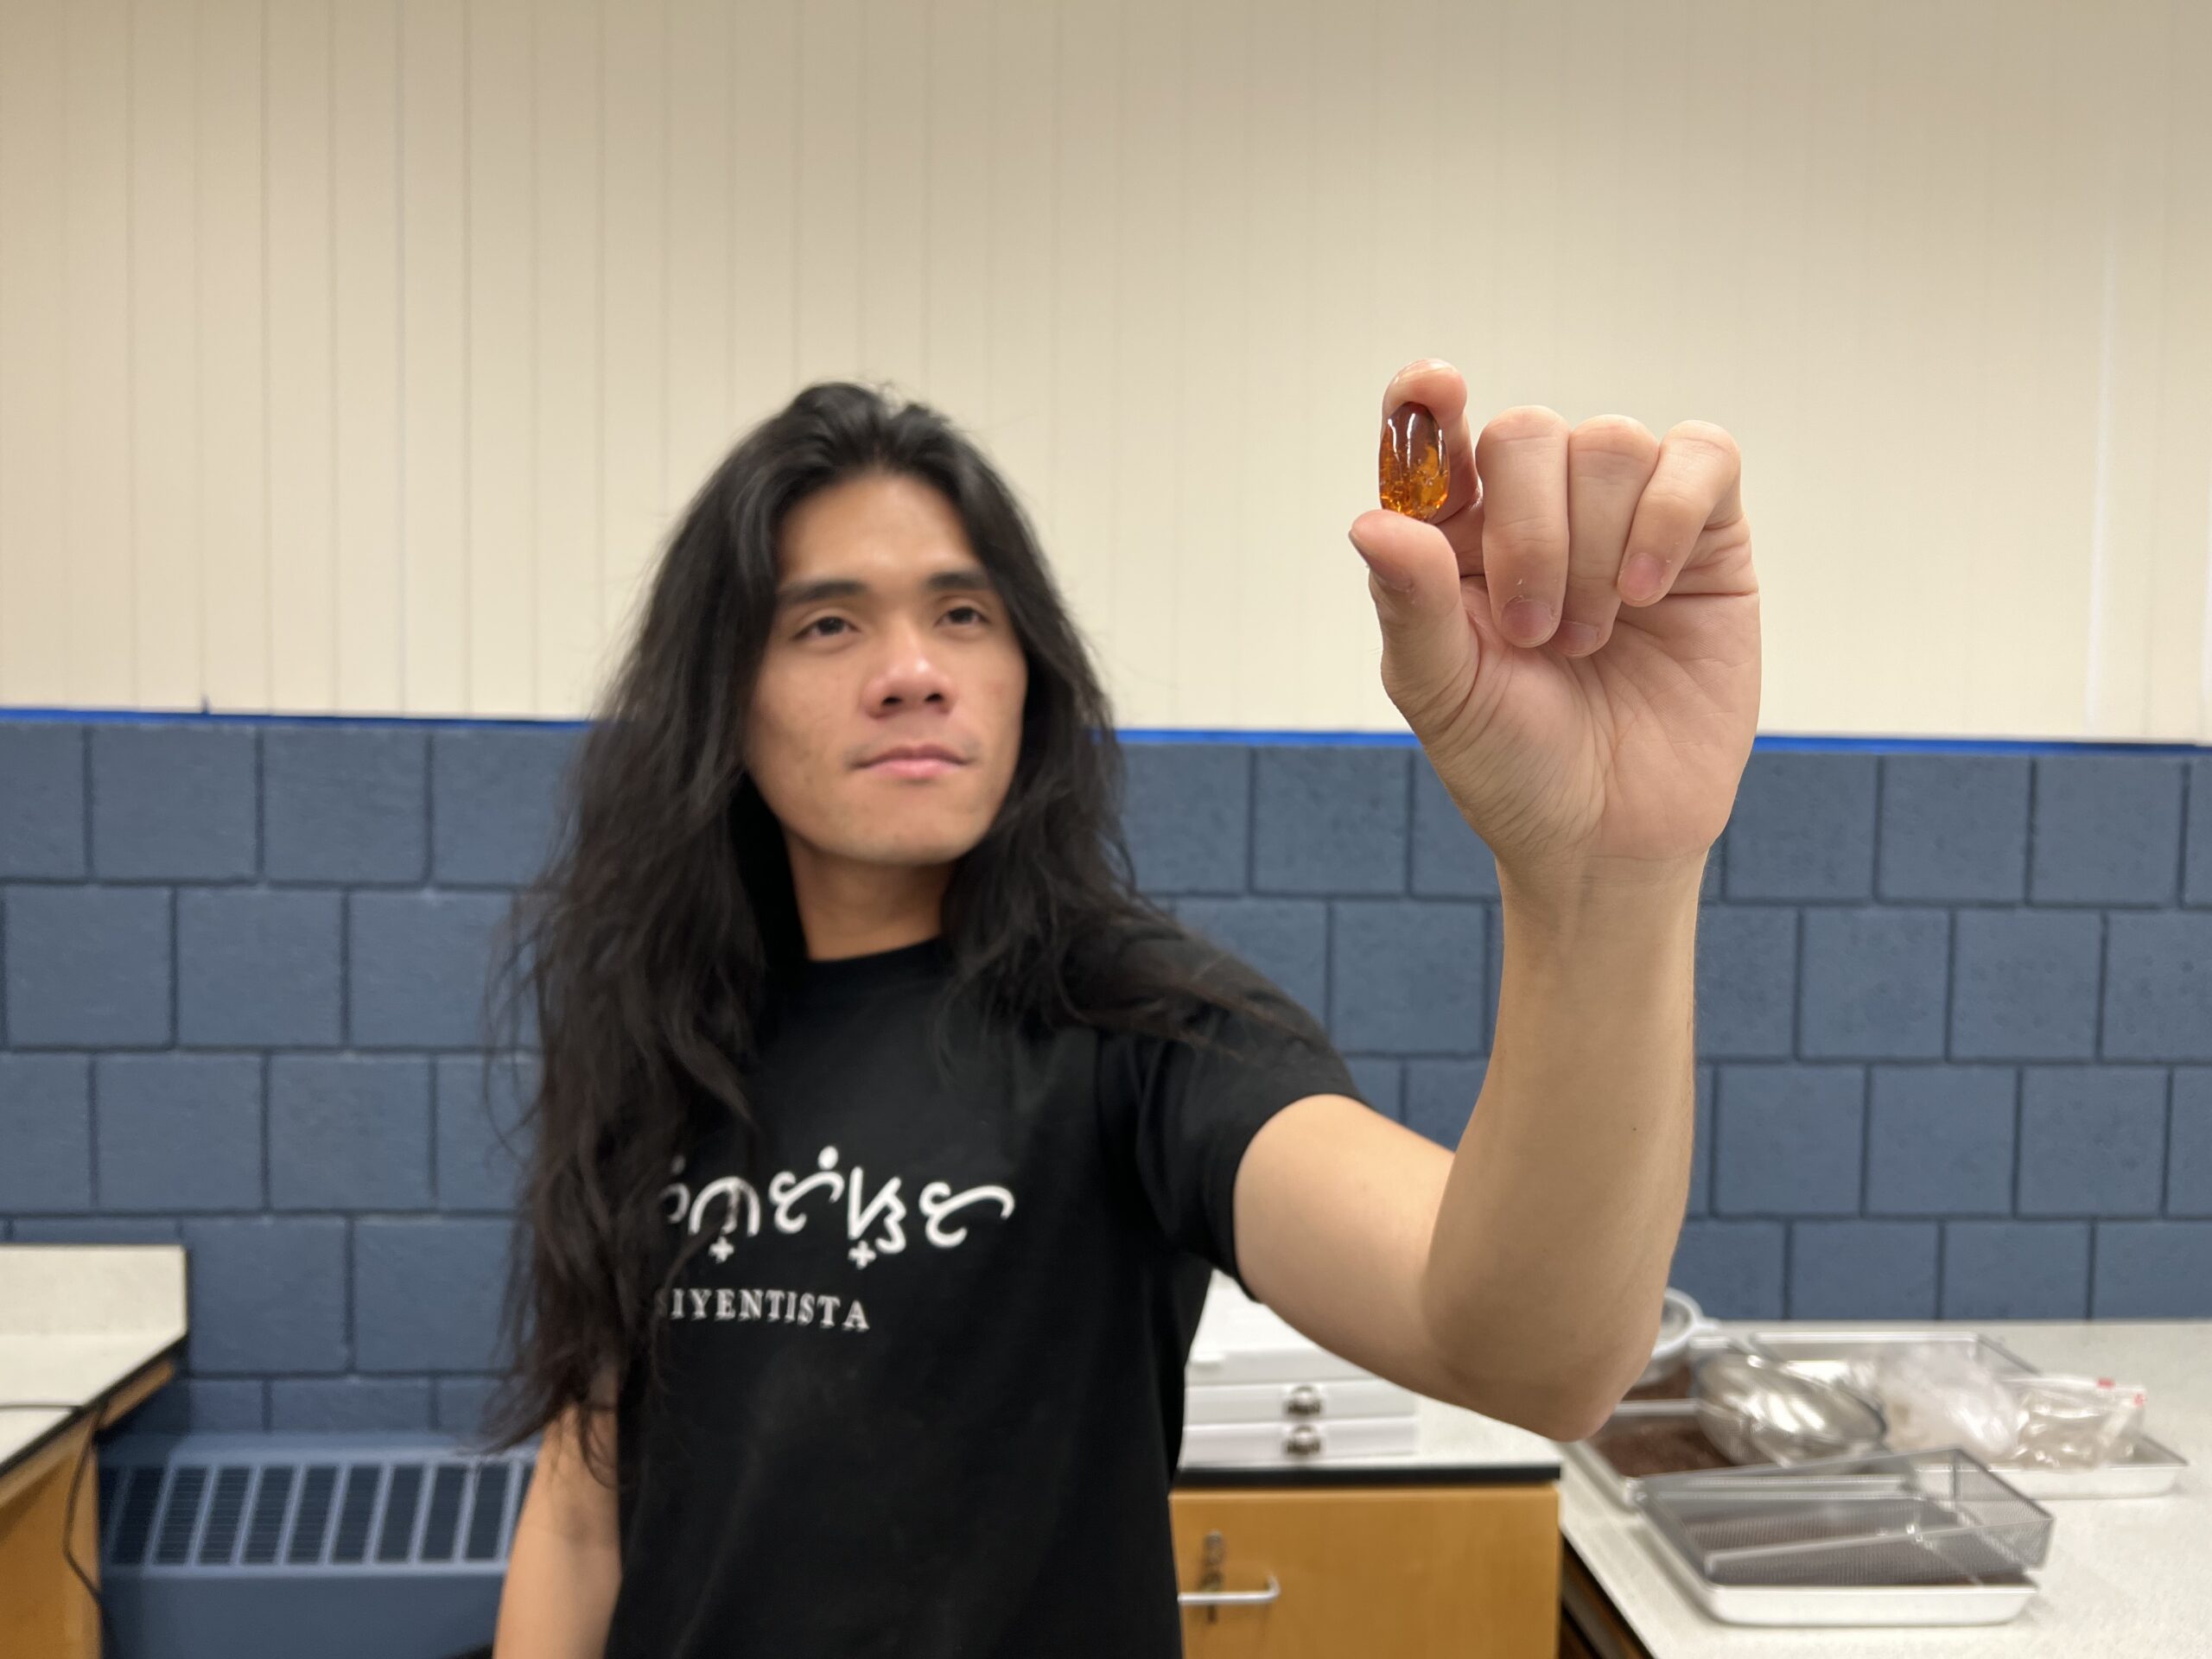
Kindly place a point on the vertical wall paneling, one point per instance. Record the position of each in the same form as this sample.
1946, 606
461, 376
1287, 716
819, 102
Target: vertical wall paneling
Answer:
825, 221
1018, 401
566, 354
360, 355
365, 274
701, 238
633, 303
891, 183
1087, 146
1142, 616
160, 623
96, 385
435, 391
34, 579
297, 151
501, 218
1215, 598
234, 616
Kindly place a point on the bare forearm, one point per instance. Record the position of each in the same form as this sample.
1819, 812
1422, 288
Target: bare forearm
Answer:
558, 1598
1560, 1216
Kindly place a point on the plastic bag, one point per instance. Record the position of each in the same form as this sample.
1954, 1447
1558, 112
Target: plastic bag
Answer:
1937, 1396
2076, 1422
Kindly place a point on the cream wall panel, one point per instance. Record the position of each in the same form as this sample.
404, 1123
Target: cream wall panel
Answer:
502, 395
361, 354
370, 672
434, 357
163, 451
95, 388
302, 329
633, 314
233, 609
565, 354
891, 179
34, 577
1078, 495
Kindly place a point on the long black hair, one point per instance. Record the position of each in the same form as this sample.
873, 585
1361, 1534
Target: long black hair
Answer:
650, 950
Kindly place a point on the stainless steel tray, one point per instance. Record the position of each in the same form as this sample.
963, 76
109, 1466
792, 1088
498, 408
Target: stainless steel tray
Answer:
1913, 1603
1893, 1538
2153, 1468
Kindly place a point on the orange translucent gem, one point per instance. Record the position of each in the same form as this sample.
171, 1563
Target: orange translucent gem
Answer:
1415, 473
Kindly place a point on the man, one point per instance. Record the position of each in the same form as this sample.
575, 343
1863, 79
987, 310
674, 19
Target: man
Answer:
886, 1139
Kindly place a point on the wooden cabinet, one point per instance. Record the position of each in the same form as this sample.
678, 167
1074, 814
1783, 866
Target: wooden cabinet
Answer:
1380, 1572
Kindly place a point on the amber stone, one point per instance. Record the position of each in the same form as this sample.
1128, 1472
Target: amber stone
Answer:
1415, 473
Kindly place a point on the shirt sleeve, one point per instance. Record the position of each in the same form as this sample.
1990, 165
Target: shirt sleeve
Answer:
1181, 1114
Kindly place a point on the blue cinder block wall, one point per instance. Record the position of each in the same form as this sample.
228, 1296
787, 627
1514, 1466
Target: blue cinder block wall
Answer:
1954, 1011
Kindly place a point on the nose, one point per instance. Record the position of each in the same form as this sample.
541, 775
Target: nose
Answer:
910, 670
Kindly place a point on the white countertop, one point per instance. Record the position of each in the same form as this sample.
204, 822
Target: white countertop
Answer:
2127, 1576
75, 1321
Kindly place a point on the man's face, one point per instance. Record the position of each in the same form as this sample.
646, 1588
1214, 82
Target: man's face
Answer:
910, 645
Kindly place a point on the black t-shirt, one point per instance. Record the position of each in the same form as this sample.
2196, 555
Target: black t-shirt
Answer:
927, 1383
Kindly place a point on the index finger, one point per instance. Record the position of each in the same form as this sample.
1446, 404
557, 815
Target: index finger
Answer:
1441, 389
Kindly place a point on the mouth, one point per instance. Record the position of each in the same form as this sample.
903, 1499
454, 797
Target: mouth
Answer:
913, 765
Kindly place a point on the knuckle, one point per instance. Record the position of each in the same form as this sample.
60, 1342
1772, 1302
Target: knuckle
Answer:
1524, 423
1620, 436
1704, 434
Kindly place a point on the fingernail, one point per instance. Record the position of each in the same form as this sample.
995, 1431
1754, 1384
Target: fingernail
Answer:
1642, 578
1527, 620
1575, 638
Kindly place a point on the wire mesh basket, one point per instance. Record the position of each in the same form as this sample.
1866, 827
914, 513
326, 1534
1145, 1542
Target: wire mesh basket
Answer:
1932, 1518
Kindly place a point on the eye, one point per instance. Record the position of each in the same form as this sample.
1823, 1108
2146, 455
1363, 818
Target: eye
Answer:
816, 623
973, 610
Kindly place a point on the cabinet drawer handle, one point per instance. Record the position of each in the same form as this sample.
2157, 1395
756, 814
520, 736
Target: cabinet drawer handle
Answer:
1232, 1598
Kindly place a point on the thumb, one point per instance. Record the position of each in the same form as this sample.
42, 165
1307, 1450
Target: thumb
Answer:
1430, 651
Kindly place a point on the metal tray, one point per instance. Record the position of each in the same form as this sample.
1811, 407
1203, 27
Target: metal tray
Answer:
2153, 1468
1971, 1604
1893, 1538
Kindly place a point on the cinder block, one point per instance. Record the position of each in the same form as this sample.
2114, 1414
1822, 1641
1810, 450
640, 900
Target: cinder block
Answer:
1787, 1140
2092, 1139
1955, 827
426, 1293
2016, 1270
178, 1132
88, 967
1409, 977
349, 1132
2107, 829
2153, 1270
497, 801
342, 803
2024, 985
1746, 981
43, 805
1862, 1270
482, 1140
1874, 983
1187, 815
257, 969
419, 967
1940, 1140
266, 1293
46, 1127
1802, 827
2158, 999
1330, 820
175, 800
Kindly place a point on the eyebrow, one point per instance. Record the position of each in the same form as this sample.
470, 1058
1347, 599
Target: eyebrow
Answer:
965, 579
